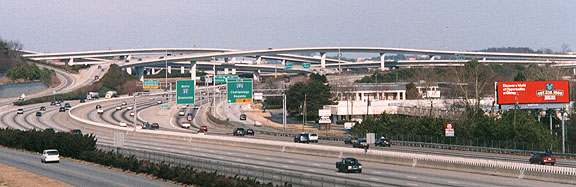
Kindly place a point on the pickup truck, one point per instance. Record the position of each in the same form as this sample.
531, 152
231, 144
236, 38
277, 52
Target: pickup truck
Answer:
349, 165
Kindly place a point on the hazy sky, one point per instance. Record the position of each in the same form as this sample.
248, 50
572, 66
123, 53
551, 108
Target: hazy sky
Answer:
80, 25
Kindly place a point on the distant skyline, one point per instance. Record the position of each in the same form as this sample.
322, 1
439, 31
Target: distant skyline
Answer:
63, 26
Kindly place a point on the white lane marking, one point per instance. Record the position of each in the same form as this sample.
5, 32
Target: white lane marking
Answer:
267, 158
316, 164
376, 179
377, 172
412, 177
410, 184
311, 170
291, 161
285, 166
452, 182
172, 124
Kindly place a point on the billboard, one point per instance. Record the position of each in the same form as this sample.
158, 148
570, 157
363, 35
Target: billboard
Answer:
527, 92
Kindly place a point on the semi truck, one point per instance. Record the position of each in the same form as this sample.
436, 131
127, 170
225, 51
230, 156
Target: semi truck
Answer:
111, 94
92, 95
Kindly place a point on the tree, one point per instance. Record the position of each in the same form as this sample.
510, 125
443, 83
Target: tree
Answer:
478, 77
317, 95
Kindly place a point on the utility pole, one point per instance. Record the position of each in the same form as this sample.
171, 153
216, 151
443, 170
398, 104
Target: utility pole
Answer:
214, 88
304, 113
166, 60
284, 111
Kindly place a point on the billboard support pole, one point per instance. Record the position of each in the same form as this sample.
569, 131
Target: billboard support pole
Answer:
550, 113
562, 112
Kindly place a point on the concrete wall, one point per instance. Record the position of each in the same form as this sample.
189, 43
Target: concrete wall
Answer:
17, 89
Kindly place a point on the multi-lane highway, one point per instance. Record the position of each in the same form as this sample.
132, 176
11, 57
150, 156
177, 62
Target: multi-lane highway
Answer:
149, 110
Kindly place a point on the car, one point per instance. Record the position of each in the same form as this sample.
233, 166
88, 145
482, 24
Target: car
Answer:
20, 111
313, 137
350, 139
96, 77
99, 67
119, 107
185, 124
542, 159
182, 113
204, 128
184, 106
100, 111
151, 98
383, 142
301, 138
98, 106
75, 131
124, 103
62, 109
361, 143
67, 105
52, 103
159, 101
42, 108
201, 132
250, 132
82, 100
50, 155
39, 114
155, 125
195, 107
242, 116
189, 117
49, 130
349, 165
131, 113
58, 104
238, 132
129, 108
122, 124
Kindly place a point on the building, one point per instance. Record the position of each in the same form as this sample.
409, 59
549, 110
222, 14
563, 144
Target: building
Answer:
369, 91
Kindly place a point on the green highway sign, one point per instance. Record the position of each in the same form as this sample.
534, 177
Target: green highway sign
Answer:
240, 91
306, 65
224, 78
164, 107
288, 65
185, 91
150, 84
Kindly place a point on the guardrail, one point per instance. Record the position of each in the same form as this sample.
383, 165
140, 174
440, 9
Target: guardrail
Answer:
231, 169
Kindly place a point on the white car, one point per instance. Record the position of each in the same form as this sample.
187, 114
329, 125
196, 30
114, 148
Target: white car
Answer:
124, 103
181, 113
185, 124
159, 102
313, 137
50, 155
118, 107
122, 124
151, 98
20, 111
131, 113
129, 108
138, 126
100, 111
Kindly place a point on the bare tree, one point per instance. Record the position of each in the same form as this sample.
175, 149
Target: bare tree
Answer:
564, 48
478, 77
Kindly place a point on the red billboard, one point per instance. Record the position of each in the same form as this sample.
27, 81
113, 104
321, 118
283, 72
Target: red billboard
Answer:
526, 92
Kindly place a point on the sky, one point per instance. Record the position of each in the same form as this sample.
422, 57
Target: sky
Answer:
84, 25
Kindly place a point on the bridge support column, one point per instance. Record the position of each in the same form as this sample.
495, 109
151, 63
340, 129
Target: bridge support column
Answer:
382, 58
258, 60
323, 62
226, 71
182, 71
256, 75
154, 71
140, 73
147, 71
233, 71
129, 70
169, 69
71, 62
193, 70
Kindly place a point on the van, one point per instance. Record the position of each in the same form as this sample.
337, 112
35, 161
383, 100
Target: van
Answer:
301, 138
313, 137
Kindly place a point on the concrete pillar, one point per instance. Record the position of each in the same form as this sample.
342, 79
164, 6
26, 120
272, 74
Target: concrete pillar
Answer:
193, 70
147, 71
226, 71
140, 73
283, 62
129, 70
182, 71
128, 57
398, 95
71, 62
403, 95
258, 60
234, 71
323, 61
169, 69
382, 58
256, 75
154, 71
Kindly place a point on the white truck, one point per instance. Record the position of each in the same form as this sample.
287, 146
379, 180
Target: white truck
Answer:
111, 94
92, 95
22, 97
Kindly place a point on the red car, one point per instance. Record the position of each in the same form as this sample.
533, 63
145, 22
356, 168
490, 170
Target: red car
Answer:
204, 128
542, 159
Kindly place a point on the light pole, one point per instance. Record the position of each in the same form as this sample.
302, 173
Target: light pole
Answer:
166, 60
214, 87
562, 112
134, 112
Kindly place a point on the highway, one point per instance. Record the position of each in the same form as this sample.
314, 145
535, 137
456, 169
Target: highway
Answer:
74, 172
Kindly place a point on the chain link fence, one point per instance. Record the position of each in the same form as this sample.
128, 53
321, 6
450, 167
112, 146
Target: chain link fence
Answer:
231, 169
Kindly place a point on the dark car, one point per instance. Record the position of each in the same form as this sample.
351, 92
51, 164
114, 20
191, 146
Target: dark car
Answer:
349, 165
155, 125
243, 117
350, 139
76, 131
383, 142
82, 100
62, 109
49, 130
67, 105
250, 132
38, 114
302, 138
98, 106
204, 128
42, 108
52, 103
238, 132
361, 143
542, 159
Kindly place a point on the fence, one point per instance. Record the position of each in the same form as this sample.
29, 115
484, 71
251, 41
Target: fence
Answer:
229, 168
423, 111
